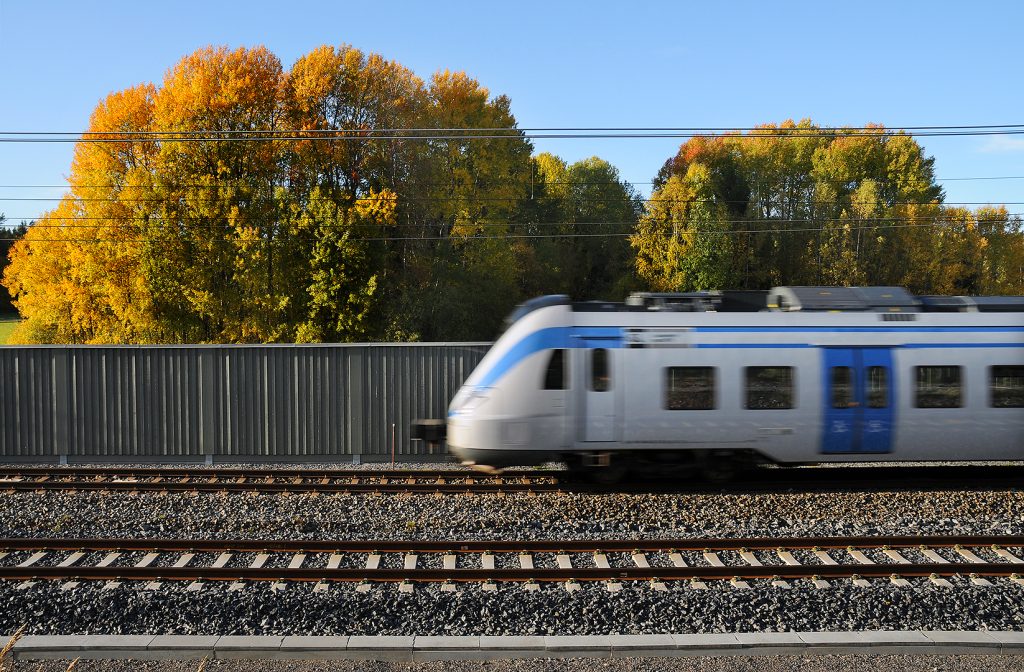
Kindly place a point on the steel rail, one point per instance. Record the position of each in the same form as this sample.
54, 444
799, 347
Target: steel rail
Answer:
30, 570
234, 479
262, 472
506, 546
255, 486
517, 575
330, 480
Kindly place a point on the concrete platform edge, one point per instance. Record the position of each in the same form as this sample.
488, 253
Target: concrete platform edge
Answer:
170, 647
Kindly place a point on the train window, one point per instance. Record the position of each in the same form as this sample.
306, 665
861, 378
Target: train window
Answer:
690, 388
769, 387
1006, 386
554, 375
938, 386
842, 387
878, 387
600, 380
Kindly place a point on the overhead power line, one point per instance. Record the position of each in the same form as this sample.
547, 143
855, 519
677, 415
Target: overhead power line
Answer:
506, 180
460, 239
486, 199
199, 225
371, 134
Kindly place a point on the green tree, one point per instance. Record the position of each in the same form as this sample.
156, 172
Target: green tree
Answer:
805, 205
681, 243
8, 236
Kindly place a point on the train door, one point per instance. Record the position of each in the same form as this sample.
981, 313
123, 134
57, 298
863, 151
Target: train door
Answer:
598, 419
858, 397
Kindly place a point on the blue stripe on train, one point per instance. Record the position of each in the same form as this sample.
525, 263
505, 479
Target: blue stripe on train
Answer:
613, 337
549, 339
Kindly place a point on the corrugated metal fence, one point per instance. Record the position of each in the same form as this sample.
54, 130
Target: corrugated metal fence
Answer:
292, 402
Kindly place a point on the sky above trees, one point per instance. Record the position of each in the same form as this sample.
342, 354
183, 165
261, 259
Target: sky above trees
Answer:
576, 64
185, 222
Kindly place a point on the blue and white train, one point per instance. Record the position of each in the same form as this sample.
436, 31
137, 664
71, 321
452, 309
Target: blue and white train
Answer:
710, 381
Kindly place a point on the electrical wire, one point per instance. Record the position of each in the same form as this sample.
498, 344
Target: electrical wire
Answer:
924, 223
427, 134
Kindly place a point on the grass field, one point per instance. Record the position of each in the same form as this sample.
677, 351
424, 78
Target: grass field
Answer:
7, 325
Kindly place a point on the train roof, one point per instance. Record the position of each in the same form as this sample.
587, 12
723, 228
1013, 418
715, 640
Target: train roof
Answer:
784, 299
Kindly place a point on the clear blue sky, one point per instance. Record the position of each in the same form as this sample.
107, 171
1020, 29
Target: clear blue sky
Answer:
567, 64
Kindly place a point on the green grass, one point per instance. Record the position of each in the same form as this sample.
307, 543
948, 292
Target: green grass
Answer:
7, 325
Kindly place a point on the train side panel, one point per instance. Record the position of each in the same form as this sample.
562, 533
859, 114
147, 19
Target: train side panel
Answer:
956, 421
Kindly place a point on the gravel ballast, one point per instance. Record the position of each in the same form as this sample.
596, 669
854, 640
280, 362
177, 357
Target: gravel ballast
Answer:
637, 609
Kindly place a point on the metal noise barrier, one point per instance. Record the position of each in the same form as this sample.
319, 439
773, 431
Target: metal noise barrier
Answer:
225, 402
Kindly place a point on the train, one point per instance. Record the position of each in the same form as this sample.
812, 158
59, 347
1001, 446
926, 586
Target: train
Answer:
712, 382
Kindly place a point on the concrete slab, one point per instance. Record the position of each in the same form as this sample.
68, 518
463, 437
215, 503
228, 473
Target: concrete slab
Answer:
525, 647
706, 644
313, 648
49, 642
590, 646
383, 647
445, 643
314, 642
1009, 642
182, 642
244, 646
880, 642
181, 647
964, 642
817, 639
107, 642
888, 637
835, 643
628, 646
771, 643
390, 648
447, 648
40, 647
769, 639
507, 642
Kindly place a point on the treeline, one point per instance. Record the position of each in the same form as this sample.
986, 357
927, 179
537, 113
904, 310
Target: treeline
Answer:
190, 218
177, 237
796, 204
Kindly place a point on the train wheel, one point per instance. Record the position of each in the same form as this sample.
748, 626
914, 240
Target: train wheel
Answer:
610, 474
718, 468
607, 471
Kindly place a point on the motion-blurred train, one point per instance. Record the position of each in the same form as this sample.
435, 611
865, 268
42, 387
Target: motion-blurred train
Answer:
711, 381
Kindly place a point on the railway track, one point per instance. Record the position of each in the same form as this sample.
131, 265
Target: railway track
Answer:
816, 559
246, 479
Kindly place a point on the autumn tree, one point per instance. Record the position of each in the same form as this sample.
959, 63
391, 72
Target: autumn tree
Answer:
191, 218
8, 236
460, 262
797, 204
681, 243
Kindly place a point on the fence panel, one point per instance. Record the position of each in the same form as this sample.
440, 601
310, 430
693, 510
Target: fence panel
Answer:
276, 402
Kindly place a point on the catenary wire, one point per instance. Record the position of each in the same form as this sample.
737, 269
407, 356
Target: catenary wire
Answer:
363, 135
510, 180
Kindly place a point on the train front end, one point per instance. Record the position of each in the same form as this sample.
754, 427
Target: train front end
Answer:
506, 413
